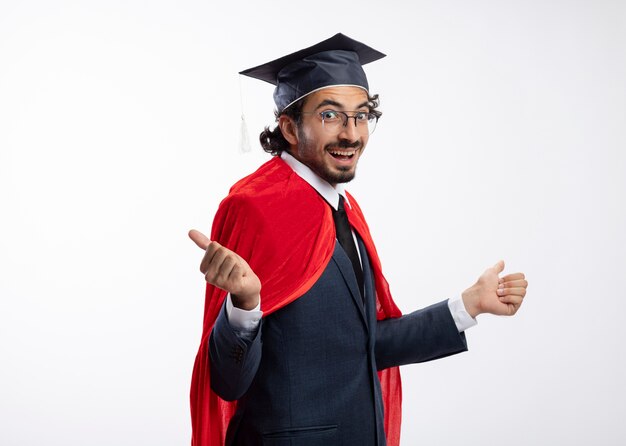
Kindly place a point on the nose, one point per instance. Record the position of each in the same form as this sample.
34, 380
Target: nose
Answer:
349, 131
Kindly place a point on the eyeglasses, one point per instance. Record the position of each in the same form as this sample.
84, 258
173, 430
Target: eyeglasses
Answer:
334, 120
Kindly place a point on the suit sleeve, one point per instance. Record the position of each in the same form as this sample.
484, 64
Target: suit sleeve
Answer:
234, 359
424, 335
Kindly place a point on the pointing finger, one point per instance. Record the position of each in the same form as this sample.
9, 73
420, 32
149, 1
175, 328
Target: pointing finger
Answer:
213, 257
511, 277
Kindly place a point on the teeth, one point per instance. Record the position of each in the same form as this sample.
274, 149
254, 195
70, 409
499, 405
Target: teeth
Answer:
342, 153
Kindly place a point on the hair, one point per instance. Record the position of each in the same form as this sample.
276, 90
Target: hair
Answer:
275, 143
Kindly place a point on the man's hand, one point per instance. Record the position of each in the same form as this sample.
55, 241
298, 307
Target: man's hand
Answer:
494, 294
226, 270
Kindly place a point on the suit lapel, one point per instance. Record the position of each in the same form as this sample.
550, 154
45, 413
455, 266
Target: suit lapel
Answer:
342, 261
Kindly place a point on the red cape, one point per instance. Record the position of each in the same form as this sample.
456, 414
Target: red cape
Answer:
284, 229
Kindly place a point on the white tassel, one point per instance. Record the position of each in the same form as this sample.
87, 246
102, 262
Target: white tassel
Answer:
244, 138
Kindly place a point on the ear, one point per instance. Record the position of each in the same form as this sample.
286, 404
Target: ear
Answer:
288, 129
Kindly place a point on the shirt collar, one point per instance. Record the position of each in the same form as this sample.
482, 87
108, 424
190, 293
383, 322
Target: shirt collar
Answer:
328, 192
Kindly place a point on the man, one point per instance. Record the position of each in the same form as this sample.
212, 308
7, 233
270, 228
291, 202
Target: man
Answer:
302, 340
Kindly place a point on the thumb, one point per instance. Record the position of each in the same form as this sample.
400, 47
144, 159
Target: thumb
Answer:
199, 239
499, 267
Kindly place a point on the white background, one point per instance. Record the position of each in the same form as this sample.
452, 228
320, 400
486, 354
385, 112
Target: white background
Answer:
503, 136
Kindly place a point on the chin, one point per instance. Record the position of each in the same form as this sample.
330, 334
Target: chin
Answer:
342, 176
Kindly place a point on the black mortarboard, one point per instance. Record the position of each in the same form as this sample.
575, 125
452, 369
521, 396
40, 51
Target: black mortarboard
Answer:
334, 61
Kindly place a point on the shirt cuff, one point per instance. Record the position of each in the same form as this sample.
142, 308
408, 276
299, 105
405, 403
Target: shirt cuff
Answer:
243, 320
461, 317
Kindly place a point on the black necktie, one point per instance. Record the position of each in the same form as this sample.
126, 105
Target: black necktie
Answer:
344, 235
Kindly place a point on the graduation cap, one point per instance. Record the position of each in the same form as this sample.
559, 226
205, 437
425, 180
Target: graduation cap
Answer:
336, 61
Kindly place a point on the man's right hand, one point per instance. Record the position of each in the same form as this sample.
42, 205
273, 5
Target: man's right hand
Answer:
226, 270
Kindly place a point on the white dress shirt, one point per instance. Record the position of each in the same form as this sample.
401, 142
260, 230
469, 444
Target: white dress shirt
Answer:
246, 322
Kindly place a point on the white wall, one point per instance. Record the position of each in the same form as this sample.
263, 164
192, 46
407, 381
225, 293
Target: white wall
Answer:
503, 136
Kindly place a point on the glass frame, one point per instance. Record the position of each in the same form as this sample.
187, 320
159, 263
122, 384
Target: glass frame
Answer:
371, 118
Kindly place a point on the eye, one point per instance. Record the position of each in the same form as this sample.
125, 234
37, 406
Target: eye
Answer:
330, 115
362, 116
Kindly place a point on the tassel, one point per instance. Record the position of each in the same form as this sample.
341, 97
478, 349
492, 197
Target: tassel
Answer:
244, 138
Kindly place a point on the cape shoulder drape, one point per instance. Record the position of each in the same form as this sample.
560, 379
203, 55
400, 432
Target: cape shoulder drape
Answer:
284, 229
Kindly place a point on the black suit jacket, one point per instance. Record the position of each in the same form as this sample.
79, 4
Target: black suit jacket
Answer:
309, 378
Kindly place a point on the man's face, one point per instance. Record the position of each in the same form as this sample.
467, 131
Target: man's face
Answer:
332, 154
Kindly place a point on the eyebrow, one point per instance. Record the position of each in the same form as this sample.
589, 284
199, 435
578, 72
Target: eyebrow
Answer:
326, 102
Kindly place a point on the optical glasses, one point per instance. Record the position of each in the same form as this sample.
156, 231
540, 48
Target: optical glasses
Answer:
334, 120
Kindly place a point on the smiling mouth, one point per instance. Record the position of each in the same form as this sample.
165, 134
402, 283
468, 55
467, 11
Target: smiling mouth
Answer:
342, 155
